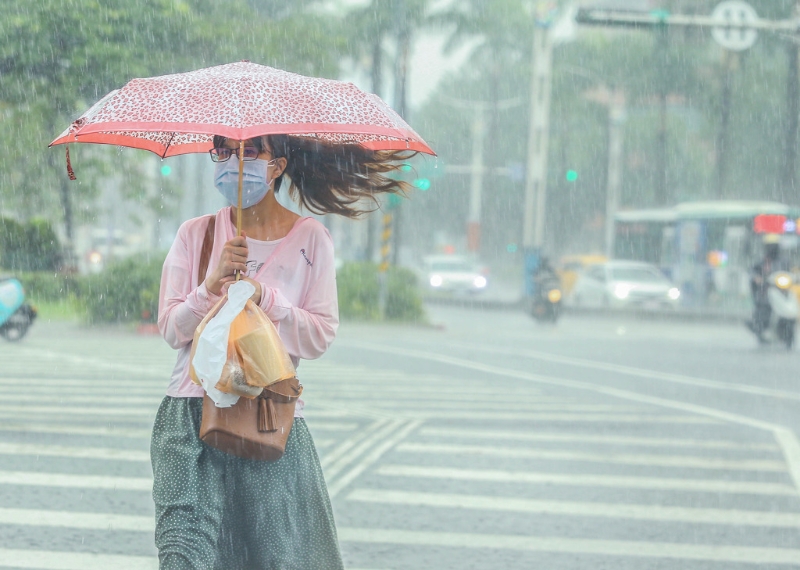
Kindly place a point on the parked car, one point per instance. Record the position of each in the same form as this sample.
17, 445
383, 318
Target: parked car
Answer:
624, 284
453, 273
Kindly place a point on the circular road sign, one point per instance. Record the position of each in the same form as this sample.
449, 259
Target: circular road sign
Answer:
734, 12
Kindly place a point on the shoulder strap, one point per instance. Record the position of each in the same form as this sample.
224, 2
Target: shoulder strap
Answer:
205, 251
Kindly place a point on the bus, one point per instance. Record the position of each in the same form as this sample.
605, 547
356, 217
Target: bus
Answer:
706, 248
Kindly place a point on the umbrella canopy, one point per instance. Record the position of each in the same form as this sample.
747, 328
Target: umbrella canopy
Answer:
178, 114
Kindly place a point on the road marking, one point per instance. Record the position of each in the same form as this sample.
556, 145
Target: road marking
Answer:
498, 435
63, 429
385, 445
79, 410
60, 397
616, 458
572, 546
728, 517
74, 452
53, 560
352, 441
640, 372
529, 477
500, 416
40, 479
786, 438
333, 467
482, 404
100, 384
39, 353
69, 519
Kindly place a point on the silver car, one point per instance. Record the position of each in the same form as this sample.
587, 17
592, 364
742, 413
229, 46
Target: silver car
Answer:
624, 284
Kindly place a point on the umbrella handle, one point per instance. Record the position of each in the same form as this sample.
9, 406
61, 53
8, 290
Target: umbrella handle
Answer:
239, 200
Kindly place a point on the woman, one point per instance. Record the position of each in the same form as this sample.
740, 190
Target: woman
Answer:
215, 510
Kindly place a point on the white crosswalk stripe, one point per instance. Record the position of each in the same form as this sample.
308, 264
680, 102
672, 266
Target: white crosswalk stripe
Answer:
399, 442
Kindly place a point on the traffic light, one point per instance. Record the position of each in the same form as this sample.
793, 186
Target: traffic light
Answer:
166, 170
572, 175
422, 183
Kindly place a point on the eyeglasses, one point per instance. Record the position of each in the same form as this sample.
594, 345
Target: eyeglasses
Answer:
223, 154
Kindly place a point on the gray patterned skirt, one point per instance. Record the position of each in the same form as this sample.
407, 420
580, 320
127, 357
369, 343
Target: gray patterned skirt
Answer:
216, 511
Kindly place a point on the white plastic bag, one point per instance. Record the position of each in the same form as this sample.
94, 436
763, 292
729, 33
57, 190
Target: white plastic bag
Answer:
211, 352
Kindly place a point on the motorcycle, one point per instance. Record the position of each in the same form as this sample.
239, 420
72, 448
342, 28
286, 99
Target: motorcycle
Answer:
546, 303
16, 316
783, 308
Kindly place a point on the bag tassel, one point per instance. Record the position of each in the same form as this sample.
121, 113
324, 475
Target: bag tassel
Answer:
266, 415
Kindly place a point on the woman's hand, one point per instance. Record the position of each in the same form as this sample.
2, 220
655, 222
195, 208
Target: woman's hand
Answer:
256, 297
233, 258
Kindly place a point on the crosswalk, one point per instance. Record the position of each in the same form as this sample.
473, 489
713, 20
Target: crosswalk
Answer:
432, 470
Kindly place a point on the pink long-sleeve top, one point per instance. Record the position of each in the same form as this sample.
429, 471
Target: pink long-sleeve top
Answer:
298, 281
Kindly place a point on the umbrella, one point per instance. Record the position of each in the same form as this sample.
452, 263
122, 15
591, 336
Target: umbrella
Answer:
178, 114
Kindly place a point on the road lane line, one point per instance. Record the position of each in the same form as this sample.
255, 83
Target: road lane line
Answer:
385, 445
54, 560
572, 546
616, 458
633, 371
510, 405
71, 519
500, 416
659, 513
42, 479
80, 410
623, 482
60, 397
64, 429
786, 438
334, 455
333, 468
138, 370
74, 452
498, 435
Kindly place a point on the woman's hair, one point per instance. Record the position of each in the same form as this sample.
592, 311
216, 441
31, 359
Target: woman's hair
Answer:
333, 178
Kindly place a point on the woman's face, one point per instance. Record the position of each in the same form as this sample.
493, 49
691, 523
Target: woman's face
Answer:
276, 166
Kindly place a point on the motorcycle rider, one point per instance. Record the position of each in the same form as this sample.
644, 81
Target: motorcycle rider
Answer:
759, 286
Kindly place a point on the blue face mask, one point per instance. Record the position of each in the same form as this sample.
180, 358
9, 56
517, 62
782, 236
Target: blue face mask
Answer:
254, 180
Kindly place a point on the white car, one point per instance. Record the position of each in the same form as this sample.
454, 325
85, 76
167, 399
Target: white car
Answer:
624, 284
453, 273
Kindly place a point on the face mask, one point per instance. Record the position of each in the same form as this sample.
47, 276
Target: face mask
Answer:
254, 180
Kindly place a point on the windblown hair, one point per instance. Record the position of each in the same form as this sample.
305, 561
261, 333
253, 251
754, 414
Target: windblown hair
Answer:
331, 178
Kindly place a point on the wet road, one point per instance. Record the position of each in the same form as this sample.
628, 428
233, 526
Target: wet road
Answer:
485, 441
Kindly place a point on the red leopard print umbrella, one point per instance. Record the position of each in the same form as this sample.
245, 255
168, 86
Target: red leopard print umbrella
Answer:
179, 114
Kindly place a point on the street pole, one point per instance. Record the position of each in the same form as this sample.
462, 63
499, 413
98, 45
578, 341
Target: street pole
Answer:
538, 139
476, 181
401, 68
793, 112
723, 150
616, 118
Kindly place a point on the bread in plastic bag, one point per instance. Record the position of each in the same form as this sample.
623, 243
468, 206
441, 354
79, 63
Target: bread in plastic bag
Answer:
234, 342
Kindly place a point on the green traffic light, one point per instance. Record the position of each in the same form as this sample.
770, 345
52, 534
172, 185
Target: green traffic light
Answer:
572, 176
422, 183
405, 168
166, 170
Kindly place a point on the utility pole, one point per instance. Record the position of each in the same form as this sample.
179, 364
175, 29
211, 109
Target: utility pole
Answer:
793, 111
476, 181
723, 150
401, 68
616, 119
538, 139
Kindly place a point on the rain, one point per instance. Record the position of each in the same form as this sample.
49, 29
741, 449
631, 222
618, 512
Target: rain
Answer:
539, 312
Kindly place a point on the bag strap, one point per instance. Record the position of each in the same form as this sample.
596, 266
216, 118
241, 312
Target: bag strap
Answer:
205, 250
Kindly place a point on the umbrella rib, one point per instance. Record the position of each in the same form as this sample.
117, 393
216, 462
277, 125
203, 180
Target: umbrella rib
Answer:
166, 146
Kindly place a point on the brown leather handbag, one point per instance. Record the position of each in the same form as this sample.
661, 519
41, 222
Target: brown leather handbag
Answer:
252, 428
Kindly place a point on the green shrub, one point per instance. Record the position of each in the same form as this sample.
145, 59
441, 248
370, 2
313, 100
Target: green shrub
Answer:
33, 246
126, 291
359, 290
48, 286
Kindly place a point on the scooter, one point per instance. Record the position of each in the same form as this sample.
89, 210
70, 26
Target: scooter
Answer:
546, 303
784, 309
16, 316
